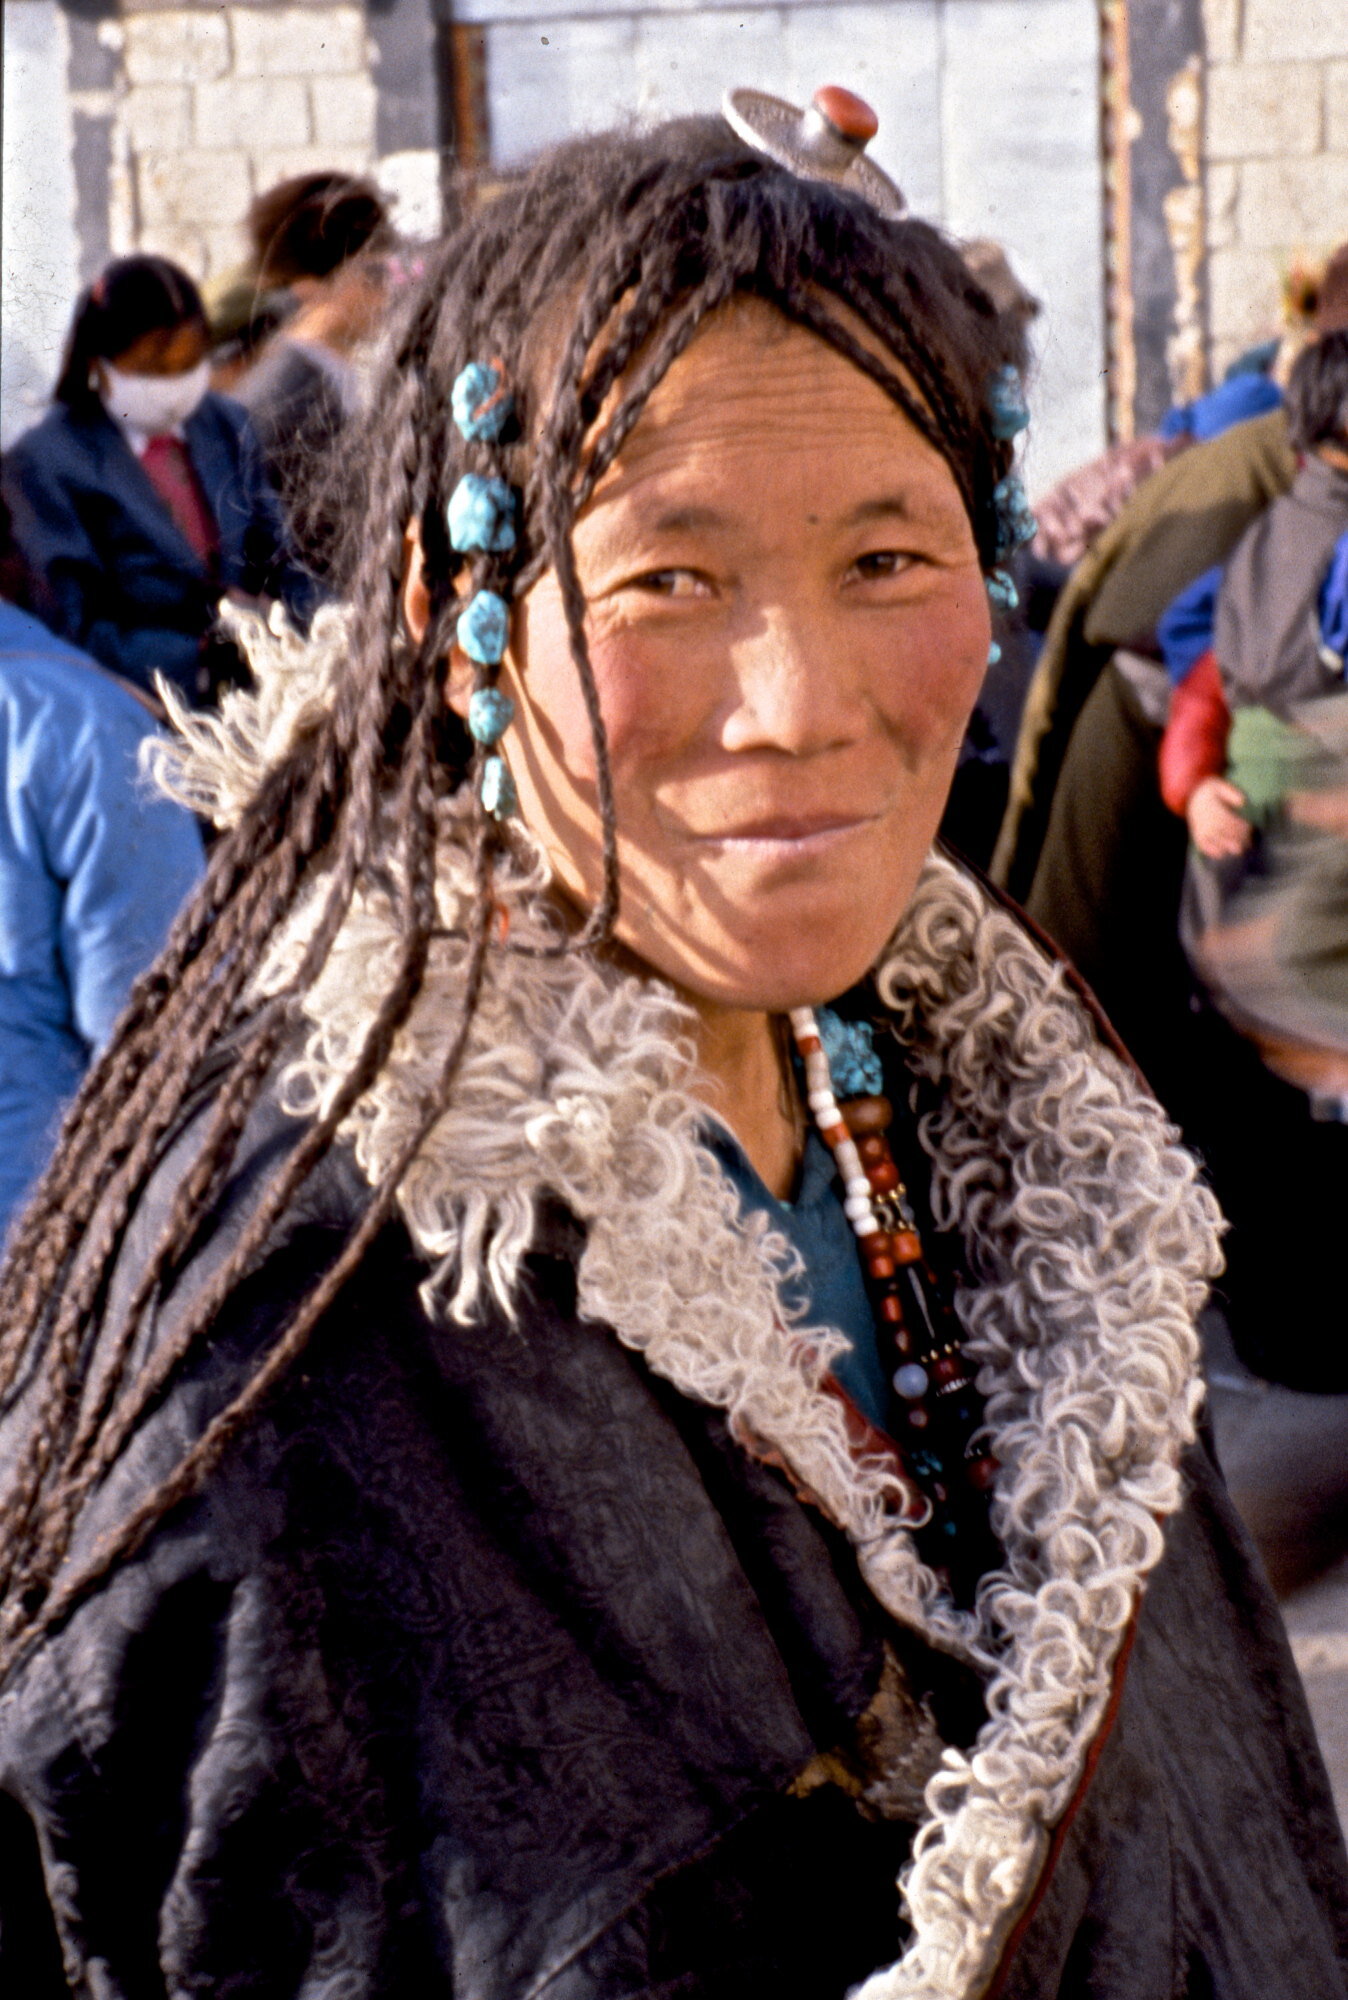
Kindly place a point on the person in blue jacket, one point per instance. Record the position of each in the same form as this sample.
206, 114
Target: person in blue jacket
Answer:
93, 868
141, 498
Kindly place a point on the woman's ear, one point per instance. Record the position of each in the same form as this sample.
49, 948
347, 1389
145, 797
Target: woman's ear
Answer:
416, 598
416, 610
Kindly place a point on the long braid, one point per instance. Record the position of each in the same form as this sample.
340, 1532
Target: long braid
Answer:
219, 1434
637, 243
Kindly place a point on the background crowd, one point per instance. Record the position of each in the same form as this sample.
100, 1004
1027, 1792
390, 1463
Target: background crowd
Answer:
1156, 768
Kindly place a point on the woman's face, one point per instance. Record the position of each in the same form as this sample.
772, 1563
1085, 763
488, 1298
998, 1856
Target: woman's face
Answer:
788, 627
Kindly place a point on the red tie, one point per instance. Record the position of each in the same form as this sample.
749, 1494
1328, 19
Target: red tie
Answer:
174, 479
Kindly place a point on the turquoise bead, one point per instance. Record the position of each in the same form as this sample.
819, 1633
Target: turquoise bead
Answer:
498, 788
480, 413
484, 628
1016, 525
1006, 407
490, 714
854, 1067
994, 653
1002, 590
481, 515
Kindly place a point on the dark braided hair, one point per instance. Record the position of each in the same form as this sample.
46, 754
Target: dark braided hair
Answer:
582, 283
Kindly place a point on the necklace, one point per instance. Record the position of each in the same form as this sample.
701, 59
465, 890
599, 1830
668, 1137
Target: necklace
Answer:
939, 1426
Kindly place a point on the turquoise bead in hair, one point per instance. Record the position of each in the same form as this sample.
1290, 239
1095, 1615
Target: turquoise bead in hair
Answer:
490, 714
853, 1065
1016, 525
480, 407
1002, 590
483, 628
481, 515
1006, 405
994, 654
498, 788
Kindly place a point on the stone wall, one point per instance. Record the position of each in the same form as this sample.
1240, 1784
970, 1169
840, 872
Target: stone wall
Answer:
213, 106
1277, 155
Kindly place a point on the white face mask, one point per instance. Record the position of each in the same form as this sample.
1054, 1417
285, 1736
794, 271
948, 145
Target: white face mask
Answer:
154, 403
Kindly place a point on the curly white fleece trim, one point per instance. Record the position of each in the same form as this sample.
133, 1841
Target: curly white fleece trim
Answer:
1089, 1241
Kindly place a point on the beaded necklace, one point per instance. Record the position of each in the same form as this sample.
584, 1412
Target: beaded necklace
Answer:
939, 1416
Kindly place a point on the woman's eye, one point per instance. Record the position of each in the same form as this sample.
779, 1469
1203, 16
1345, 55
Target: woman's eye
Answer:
671, 583
879, 563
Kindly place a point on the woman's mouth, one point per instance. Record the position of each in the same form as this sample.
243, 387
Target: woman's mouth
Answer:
786, 835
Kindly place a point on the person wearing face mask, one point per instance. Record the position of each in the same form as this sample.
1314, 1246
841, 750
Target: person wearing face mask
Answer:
141, 498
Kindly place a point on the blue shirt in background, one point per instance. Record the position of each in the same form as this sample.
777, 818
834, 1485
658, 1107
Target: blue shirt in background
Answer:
93, 869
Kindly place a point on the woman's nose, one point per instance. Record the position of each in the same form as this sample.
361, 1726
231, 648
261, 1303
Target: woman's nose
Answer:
790, 689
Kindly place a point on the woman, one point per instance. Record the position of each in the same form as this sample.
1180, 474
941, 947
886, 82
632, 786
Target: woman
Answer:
141, 498
448, 1552
323, 239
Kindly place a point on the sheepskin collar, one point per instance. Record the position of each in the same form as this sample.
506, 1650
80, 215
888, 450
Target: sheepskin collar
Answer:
1088, 1242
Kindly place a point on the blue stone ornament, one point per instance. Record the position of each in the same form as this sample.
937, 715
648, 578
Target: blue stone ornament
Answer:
1002, 590
498, 789
850, 1047
911, 1381
1016, 525
994, 653
490, 714
480, 409
481, 515
484, 627
1006, 405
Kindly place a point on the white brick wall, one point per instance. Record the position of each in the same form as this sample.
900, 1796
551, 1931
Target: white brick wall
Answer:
214, 107
1277, 156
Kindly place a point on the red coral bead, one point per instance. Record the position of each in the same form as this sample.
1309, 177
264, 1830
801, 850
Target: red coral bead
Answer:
883, 1177
981, 1472
891, 1309
907, 1246
848, 114
873, 1147
868, 1114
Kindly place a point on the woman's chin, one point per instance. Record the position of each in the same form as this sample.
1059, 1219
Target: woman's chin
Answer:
767, 968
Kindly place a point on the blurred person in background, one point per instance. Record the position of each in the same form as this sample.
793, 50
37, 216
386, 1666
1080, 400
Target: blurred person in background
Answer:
93, 868
1253, 758
141, 498
322, 239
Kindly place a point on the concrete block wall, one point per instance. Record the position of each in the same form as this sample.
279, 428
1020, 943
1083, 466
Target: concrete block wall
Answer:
210, 107
1276, 150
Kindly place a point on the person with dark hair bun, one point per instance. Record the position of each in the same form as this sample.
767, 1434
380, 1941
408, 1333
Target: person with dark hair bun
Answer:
141, 498
602, 1397
324, 237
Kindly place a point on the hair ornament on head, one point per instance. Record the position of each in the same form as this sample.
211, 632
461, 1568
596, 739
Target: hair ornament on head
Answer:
826, 143
1006, 404
1016, 525
481, 516
481, 404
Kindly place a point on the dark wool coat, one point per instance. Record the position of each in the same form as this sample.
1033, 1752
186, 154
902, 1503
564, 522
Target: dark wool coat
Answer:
112, 572
484, 1667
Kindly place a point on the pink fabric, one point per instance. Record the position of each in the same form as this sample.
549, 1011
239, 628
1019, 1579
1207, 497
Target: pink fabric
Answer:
1082, 505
